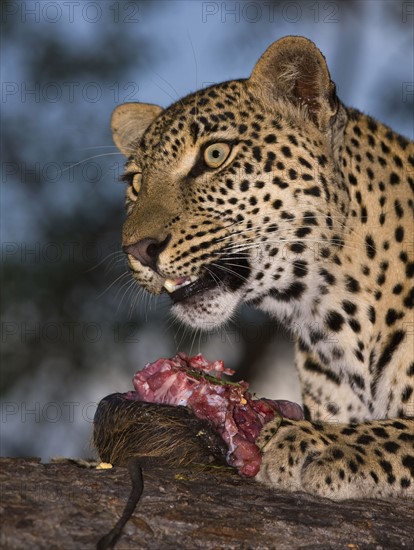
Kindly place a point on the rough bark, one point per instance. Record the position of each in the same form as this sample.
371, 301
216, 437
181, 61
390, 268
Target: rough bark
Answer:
65, 506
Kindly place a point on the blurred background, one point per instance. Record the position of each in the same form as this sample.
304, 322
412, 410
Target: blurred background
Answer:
73, 327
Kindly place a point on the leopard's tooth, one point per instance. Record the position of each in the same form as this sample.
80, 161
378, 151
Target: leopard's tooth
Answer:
169, 285
174, 284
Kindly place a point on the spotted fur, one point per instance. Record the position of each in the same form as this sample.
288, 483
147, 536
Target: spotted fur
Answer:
309, 218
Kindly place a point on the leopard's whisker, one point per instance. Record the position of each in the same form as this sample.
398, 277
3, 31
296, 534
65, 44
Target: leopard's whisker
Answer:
168, 84
130, 287
119, 278
228, 270
87, 159
110, 257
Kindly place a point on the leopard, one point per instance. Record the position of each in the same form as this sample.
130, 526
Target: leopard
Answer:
269, 191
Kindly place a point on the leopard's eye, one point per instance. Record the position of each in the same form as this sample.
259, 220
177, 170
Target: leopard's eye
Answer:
136, 183
216, 154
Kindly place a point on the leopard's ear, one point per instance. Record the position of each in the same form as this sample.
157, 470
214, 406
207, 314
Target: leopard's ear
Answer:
129, 122
294, 69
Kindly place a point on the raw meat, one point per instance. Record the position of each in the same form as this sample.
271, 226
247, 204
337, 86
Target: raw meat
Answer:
195, 383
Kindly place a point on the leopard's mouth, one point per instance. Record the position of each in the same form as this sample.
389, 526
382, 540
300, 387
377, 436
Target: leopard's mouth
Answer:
216, 275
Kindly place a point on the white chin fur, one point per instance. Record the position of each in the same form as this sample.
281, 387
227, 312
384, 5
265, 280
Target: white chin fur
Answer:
208, 310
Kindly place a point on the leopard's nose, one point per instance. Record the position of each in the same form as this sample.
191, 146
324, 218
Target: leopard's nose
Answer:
147, 250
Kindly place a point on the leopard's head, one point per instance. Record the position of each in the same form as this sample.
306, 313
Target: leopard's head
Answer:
231, 192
